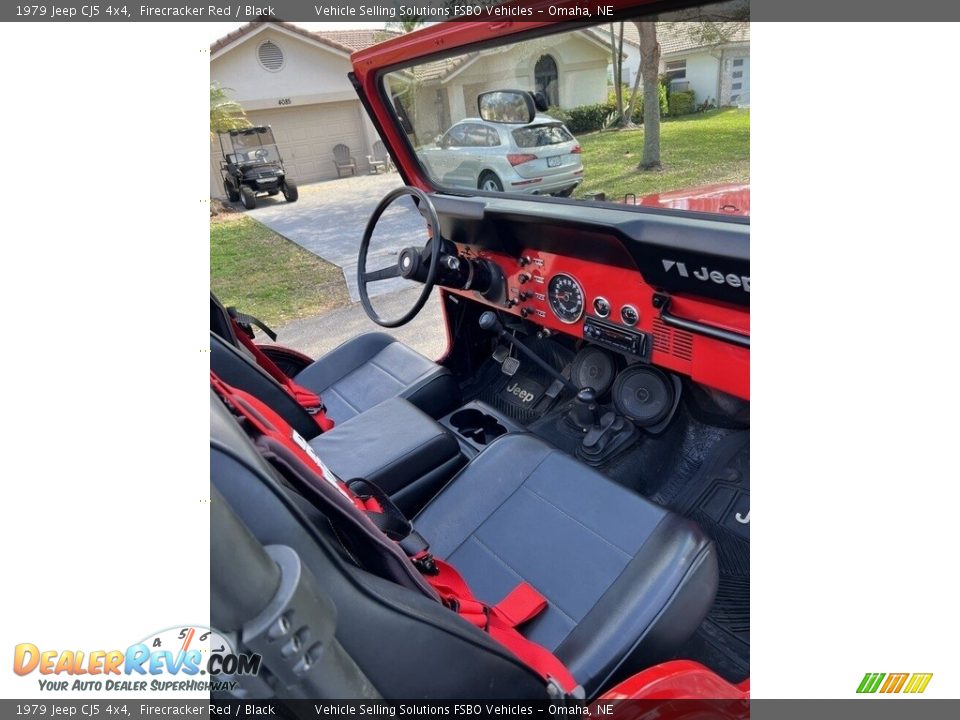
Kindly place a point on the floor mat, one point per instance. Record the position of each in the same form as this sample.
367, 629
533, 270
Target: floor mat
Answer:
521, 396
718, 499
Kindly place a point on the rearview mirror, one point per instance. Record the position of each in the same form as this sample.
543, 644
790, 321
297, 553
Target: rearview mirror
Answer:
506, 106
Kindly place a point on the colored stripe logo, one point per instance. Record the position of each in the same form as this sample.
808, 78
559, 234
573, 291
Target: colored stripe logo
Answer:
908, 683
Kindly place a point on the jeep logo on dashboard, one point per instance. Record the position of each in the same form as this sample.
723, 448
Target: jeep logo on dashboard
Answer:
705, 274
525, 395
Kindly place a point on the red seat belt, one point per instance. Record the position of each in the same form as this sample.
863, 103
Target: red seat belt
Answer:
307, 398
523, 603
500, 621
264, 420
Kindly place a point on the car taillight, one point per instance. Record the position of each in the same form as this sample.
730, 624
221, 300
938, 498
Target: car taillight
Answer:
519, 158
576, 150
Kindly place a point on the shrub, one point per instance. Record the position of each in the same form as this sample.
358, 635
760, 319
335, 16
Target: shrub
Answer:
588, 118
600, 116
682, 103
558, 113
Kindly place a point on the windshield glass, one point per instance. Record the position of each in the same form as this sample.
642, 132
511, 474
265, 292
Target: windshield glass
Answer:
650, 111
255, 145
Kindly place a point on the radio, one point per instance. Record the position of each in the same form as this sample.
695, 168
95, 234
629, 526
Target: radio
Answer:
615, 337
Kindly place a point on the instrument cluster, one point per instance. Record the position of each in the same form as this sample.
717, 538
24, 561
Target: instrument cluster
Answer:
614, 307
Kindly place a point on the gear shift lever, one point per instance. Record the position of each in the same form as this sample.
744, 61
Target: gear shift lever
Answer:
585, 413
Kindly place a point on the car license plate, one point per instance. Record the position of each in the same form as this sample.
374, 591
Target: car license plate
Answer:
553, 161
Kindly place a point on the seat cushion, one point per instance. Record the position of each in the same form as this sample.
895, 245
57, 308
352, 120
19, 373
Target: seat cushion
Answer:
627, 581
368, 369
397, 446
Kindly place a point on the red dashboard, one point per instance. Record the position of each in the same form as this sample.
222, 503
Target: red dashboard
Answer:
628, 303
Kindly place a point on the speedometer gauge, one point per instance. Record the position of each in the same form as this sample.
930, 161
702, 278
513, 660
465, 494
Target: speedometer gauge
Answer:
566, 298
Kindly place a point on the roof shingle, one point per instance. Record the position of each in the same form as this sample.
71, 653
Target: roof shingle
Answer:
347, 41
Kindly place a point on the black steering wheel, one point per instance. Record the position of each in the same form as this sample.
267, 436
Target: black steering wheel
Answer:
412, 263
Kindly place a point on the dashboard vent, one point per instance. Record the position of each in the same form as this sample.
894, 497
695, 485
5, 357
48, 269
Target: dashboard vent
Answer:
678, 343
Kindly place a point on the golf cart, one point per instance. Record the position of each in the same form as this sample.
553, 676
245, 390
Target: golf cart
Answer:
252, 166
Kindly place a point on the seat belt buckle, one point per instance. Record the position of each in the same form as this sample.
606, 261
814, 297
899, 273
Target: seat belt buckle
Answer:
425, 563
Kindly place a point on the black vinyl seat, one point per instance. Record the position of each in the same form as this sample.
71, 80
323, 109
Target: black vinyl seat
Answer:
370, 368
395, 445
627, 580
352, 378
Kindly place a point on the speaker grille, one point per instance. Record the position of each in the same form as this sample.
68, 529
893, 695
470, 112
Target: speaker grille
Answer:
678, 343
595, 368
643, 394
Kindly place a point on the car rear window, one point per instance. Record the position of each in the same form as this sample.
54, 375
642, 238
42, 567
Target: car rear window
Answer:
540, 135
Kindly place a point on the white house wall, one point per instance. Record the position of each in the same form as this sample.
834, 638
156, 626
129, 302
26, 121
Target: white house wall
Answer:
309, 74
309, 102
581, 69
702, 75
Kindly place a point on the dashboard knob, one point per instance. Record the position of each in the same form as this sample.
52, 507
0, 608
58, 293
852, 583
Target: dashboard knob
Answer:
523, 278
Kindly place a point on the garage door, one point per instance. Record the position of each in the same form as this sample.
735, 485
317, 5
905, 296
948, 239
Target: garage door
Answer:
306, 136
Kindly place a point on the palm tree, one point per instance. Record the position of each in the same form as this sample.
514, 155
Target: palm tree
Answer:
407, 24
225, 113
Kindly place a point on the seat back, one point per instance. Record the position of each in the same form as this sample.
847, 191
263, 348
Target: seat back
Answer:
406, 643
238, 369
221, 323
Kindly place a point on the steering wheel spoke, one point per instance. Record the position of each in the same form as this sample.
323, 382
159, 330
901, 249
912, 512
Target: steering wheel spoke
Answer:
429, 257
384, 274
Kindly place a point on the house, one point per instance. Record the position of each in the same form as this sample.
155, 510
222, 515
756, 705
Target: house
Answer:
295, 81
716, 68
570, 69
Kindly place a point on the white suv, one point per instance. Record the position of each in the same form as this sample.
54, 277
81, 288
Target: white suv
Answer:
537, 158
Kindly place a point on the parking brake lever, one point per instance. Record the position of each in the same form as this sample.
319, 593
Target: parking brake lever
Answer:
490, 323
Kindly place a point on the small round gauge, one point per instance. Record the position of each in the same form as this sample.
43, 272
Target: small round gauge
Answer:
601, 307
629, 315
566, 298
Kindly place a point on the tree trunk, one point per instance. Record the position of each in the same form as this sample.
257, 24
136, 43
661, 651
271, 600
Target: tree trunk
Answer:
649, 69
626, 120
617, 70
620, 71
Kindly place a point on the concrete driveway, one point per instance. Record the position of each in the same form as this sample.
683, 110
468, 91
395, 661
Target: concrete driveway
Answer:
319, 335
329, 219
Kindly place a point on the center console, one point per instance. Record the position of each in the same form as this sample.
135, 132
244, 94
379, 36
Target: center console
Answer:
476, 425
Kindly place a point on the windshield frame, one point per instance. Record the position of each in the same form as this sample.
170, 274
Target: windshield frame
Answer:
424, 175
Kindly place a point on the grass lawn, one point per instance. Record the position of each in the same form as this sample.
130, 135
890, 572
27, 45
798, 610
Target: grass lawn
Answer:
266, 275
700, 149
